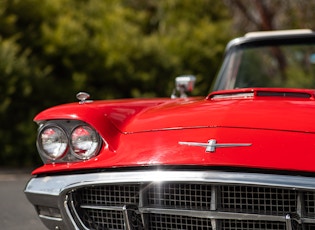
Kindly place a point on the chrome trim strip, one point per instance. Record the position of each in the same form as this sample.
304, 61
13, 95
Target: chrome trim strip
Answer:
212, 145
214, 192
204, 214
126, 218
307, 220
299, 206
288, 222
50, 218
108, 208
68, 202
213, 214
196, 213
55, 185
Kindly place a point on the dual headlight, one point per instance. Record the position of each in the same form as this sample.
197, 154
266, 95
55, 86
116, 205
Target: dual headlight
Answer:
66, 141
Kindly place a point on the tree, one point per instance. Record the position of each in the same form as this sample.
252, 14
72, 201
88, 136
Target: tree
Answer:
50, 50
257, 15
17, 133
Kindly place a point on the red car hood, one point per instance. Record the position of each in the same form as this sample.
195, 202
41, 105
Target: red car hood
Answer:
278, 125
277, 110
274, 109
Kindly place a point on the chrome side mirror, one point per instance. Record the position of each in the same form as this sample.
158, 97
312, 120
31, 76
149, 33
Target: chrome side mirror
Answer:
184, 84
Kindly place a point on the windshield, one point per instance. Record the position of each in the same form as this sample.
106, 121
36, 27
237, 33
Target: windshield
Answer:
280, 66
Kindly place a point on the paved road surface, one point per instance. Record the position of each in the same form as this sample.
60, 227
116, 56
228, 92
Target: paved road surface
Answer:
16, 213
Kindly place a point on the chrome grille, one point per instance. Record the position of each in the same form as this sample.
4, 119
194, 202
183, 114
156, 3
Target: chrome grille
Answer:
260, 200
250, 225
101, 219
159, 221
110, 195
309, 200
188, 205
180, 196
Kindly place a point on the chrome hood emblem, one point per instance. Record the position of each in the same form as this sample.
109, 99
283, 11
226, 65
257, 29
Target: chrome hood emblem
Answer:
212, 145
82, 97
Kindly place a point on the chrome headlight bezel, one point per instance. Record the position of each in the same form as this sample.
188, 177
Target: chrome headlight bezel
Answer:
87, 145
53, 142
66, 128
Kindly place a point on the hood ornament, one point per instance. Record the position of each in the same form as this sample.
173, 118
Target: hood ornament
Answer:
212, 145
82, 97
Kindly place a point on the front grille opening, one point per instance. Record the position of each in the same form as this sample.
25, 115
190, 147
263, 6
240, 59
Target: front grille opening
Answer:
180, 196
308, 227
110, 195
309, 200
250, 225
165, 222
257, 200
101, 219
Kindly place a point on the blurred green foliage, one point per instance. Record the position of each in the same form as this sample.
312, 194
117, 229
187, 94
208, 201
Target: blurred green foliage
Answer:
50, 50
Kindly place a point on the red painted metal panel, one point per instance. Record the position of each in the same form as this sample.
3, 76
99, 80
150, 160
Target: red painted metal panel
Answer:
147, 132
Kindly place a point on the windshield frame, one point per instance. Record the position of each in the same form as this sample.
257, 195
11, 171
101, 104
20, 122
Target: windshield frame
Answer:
224, 81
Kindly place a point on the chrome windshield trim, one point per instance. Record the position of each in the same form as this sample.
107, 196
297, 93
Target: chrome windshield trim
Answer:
55, 185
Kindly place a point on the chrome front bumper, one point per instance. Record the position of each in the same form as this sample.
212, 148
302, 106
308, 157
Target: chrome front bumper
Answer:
49, 194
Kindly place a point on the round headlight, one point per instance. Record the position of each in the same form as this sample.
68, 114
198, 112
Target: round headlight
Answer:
85, 142
53, 142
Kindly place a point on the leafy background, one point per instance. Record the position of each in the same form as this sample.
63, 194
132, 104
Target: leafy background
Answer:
50, 50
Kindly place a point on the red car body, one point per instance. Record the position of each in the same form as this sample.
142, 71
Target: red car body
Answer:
255, 142
161, 124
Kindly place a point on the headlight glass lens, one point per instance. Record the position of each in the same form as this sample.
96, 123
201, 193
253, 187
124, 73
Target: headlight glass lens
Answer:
53, 142
85, 142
